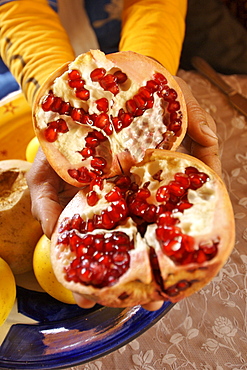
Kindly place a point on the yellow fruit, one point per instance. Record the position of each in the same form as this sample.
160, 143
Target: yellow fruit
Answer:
7, 290
45, 275
32, 149
19, 231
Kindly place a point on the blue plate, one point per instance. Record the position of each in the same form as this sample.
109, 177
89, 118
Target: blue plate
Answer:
44, 333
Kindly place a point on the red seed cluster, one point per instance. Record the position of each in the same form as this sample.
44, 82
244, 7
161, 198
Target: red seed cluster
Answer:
100, 258
127, 199
134, 107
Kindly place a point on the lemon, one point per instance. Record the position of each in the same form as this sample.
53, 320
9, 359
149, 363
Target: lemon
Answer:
7, 290
44, 273
31, 149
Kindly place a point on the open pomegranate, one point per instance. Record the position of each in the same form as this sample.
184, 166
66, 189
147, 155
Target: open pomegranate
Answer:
160, 233
97, 115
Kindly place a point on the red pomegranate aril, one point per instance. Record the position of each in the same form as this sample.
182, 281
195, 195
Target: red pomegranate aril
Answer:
162, 194
173, 106
55, 107
173, 248
170, 95
120, 76
47, 102
167, 219
76, 114
98, 162
91, 141
121, 258
107, 221
51, 134
84, 175
176, 188
87, 152
152, 85
117, 123
190, 169
183, 179
113, 195
74, 75
167, 232
62, 126
150, 103
145, 93
208, 248
118, 210
199, 256
102, 105
97, 74
108, 129
188, 243
76, 84
109, 83
101, 120
123, 182
131, 107
175, 126
196, 180
76, 222
160, 78
92, 198
82, 94
140, 102
184, 205
143, 194
65, 108
99, 136
97, 221
97, 181
150, 214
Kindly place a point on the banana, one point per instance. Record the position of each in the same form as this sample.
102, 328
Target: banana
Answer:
7, 290
44, 273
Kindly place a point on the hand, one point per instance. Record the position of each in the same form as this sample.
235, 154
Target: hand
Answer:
201, 140
49, 193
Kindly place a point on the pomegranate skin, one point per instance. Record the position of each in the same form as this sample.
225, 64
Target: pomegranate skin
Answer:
155, 271
19, 231
147, 111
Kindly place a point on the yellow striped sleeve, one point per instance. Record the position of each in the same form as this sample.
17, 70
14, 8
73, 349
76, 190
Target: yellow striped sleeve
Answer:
155, 28
33, 43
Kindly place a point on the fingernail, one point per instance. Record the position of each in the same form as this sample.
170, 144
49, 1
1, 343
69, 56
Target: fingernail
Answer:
207, 131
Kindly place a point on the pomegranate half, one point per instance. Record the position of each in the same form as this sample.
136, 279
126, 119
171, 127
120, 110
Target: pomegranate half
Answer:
160, 233
97, 115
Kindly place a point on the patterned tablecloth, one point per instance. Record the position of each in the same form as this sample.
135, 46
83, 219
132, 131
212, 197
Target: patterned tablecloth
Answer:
207, 331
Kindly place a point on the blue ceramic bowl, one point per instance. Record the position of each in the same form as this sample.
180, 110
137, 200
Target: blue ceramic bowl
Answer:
44, 333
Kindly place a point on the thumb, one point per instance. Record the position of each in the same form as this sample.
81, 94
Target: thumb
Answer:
43, 183
201, 126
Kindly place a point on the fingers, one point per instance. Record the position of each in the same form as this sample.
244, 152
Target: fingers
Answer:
201, 126
83, 302
44, 184
202, 141
153, 306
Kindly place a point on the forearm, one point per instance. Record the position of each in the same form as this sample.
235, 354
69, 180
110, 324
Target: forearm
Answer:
32, 43
155, 28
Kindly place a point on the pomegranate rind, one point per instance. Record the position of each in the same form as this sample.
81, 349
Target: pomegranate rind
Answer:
139, 285
19, 231
139, 69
